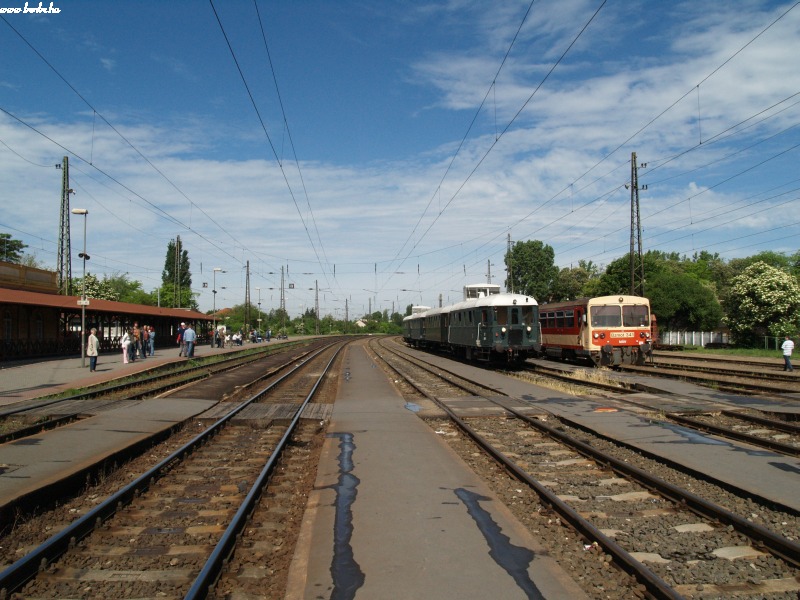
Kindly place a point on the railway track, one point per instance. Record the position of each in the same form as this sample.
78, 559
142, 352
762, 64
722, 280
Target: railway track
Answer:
31, 417
171, 531
767, 432
734, 378
672, 541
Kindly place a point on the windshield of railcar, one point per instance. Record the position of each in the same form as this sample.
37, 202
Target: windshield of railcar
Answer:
527, 315
636, 315
501, 315
605, 316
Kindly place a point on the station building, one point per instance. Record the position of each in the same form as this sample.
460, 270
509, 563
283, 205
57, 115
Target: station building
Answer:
37, 322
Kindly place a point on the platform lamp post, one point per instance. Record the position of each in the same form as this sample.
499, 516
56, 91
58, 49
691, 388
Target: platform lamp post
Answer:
214, 294
83, 302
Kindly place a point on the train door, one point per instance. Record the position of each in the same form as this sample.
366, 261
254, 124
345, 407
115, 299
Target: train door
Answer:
584, 333
515, 322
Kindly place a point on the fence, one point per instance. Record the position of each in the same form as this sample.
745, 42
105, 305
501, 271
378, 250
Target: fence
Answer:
692, 338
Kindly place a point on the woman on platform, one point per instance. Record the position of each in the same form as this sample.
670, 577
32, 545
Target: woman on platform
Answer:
126, 346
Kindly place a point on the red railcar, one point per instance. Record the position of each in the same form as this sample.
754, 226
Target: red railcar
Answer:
608, 330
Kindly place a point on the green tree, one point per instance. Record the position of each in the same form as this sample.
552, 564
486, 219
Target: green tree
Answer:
99, 290
682, 302
11, 249
128, 290
176, 278
617, 277
763, 301
575, 282
533, 270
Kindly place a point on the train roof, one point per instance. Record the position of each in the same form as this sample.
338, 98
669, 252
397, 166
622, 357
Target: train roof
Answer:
595, 301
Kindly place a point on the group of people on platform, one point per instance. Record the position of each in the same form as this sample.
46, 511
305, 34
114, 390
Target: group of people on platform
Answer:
138, 342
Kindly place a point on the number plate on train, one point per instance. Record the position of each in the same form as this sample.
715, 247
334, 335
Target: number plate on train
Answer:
621, 334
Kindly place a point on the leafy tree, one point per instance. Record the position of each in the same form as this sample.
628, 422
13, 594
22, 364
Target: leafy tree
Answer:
533, 270
12, 250
574, 282
176, 278
617, 277
99, 290
131, 291
682, 302
763, 301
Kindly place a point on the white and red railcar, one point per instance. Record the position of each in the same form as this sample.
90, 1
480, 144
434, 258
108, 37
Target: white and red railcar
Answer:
607, 330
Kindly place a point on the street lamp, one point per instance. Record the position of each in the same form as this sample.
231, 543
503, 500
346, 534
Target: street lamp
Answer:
83, 302
214, 294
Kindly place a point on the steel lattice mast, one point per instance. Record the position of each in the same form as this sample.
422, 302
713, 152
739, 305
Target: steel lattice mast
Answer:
64, 246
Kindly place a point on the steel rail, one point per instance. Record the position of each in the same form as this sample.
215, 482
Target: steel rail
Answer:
736, 435
212, 569
784, 426
785, 548
20, 572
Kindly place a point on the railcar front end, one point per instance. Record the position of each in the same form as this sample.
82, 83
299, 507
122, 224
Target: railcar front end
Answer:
607, 330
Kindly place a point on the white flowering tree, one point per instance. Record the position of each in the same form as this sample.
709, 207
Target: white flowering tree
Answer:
763, 301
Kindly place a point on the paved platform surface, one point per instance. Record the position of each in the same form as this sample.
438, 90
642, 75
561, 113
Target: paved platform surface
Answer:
397, 514
24, 380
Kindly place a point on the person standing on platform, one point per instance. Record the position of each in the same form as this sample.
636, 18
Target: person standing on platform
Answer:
788, 348
181, 343
189, 338
125, 342
92, 348
145, 340
152, 333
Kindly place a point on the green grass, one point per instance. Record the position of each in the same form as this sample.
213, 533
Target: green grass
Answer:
760, 353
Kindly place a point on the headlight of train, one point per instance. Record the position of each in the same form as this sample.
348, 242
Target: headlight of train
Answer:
503, 329
644, 334
529, 328
601, 336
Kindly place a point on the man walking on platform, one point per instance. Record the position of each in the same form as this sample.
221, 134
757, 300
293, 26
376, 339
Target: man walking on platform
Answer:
787, 347
189, 338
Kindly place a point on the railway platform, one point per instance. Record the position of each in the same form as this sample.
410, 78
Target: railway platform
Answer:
29, 465
397, 514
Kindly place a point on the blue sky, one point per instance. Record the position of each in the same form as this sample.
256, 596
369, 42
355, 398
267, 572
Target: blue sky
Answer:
404, 143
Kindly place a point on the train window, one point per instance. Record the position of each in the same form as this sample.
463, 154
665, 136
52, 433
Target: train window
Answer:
569, 318
514, 316
501, 316
635, 316
560, 318
605, 316
551, 319
484, 316
470, 317
527, 315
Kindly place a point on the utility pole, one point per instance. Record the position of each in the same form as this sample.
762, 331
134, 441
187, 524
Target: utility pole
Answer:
283, 305
64, 243
176, 279
636, 256
510, 282
247, 300
316, 307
